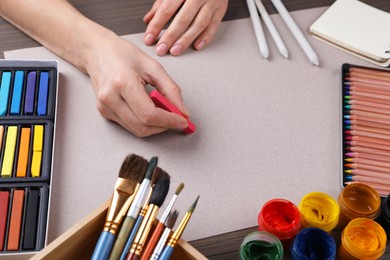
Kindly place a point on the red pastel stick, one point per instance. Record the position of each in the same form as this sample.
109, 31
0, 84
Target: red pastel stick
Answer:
161, 102
4, 201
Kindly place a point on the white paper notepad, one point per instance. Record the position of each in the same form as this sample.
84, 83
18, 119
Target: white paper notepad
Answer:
357, 28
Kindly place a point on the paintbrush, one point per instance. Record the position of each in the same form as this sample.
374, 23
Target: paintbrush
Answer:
133, 211
163, 239
155, 177
131, 173
152, 241
167, 252
158, 196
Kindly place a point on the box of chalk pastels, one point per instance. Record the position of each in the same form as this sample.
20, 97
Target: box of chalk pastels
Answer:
28, 99
366, 126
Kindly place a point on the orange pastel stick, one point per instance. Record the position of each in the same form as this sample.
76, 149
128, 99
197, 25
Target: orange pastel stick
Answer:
16, 220
23, 152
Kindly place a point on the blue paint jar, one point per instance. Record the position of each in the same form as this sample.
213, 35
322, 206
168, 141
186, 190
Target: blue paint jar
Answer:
313, 243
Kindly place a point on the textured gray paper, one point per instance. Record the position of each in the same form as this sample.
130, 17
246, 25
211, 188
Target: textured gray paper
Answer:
266, 129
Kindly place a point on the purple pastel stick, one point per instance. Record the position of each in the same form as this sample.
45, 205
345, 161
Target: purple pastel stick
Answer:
30, 93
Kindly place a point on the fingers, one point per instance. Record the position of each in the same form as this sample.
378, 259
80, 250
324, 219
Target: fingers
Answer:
195, 21
164, 11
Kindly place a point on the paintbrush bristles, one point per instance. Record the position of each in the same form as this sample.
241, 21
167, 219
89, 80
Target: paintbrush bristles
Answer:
172, 219
193, 206
151, 166
161, 187
133, 168
179, 188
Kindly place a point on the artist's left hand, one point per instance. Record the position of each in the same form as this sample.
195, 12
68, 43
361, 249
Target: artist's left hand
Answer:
193, 21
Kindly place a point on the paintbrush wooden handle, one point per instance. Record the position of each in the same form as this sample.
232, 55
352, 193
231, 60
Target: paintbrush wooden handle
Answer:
103, 246
153, 241
132, 256
122, 237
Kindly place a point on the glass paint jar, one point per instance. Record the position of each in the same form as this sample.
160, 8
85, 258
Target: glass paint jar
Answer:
261, 245
358, 200
319, 210
313, 243
384, 217
281, 218
362, 238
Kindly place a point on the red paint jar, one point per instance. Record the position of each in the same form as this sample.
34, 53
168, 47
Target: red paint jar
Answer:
281, 218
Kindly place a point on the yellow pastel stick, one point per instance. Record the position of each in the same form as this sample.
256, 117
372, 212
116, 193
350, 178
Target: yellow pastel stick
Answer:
9, 151
37, 151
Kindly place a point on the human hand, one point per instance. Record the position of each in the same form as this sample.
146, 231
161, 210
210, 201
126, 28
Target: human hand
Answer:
197, 20
119, 71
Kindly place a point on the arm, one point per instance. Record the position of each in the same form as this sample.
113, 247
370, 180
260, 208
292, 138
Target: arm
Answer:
95, 50
193, 21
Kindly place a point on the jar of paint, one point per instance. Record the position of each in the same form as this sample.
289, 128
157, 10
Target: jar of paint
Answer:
261, 245
362, 238
313, 243
384, 217
358, 200
281, 218
319, 210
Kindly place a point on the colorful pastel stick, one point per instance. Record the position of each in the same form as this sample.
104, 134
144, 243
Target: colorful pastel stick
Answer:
17, 93
4, 92
15, 220
24, 146
161, 102
30, 93
31, 220
9, 151
37, 151
4, 201
43, 93
1, 135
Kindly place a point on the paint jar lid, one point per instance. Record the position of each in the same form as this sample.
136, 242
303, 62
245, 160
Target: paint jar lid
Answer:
280, 217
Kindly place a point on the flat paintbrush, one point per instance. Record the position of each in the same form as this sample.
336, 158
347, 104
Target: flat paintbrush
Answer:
158, 196
164, 237
156, 175
133, 211
166, 254
152, 241
131, 173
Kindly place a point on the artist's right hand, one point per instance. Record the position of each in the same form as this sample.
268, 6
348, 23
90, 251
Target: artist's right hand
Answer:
119, 71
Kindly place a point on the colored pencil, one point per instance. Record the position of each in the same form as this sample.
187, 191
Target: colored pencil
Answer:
367, 98
364, 139
365, 173
368, 129
368, 179
368, 75
368, 156
375, 89
368, 162
367, 134
368, 109
367, 167
131, 174
368, 81
366, 123
369, 71
367, 95
367, 103
355, 148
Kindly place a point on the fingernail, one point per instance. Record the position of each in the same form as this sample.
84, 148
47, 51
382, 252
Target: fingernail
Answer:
182, 125
201, 45
176, 49
161, 49
149, 39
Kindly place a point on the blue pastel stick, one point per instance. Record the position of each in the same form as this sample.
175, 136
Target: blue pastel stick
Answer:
4, 91
30, 93
17, 93
166, 254
43, 93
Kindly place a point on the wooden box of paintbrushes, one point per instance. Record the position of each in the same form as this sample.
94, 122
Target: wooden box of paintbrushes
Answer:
366, 127
80, 240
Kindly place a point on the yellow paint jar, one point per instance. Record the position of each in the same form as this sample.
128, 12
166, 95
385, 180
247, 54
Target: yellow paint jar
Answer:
358, 200
319, 210
362, 238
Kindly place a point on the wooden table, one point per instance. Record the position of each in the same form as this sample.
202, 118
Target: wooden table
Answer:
125, 17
